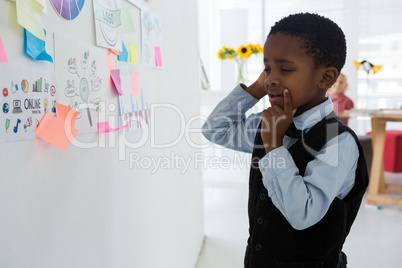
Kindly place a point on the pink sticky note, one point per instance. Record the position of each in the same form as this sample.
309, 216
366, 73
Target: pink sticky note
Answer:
135, 85
3, 55
110, 65
58, 130
115, 74
103, 127
158, 57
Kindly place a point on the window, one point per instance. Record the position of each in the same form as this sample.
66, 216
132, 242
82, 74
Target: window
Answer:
372, 29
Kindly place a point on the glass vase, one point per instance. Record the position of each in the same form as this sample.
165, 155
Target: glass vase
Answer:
241, 63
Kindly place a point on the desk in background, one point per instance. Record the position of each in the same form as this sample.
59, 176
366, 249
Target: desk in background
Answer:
377, 186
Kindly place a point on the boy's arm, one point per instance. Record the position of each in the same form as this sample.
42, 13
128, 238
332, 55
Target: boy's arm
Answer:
305, 200
228, 126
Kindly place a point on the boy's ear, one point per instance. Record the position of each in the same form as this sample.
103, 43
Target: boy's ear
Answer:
328, 77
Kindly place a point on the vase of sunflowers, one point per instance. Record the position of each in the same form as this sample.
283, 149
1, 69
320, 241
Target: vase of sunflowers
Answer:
240, 56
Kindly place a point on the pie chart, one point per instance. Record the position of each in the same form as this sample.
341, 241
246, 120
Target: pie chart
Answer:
68, 9
24, 86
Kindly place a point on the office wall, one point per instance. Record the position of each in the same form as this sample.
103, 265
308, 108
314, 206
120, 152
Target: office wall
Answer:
89, 207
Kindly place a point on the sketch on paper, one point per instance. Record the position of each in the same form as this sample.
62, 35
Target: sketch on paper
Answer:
134, 109
152, 49
108, 23
82, 79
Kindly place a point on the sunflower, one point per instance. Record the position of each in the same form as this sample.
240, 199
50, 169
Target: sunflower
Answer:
253, 48
259, 48
244, 51
220, 54
226, 53
230, 53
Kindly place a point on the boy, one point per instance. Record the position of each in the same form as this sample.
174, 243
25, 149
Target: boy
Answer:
308, 173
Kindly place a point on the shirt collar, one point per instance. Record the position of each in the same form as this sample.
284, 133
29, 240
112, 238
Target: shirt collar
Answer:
311, 117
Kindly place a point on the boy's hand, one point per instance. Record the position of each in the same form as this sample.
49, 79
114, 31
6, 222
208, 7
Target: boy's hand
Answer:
275, 122
257, 89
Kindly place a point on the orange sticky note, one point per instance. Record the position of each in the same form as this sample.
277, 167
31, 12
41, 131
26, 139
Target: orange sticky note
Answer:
58, 130
158, 57
3, 55
110, 65
135, 85
114, 51
133, 54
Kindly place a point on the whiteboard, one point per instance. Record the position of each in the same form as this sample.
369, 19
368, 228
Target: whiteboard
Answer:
95, 205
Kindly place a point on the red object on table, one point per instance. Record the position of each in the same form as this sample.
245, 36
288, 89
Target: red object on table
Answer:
392, 150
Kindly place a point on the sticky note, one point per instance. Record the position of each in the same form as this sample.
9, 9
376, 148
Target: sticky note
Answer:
110, 65
103, 127
123, 54
127, 25
35, 47
135, 85
28, 16
114, 51
158, 57
58, 130
3, 55
133, 54
115, 74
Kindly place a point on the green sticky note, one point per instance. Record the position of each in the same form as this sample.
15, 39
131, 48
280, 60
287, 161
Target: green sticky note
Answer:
133, 54
126, 20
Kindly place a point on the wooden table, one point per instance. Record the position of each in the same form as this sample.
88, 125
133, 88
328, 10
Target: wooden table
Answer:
377, 187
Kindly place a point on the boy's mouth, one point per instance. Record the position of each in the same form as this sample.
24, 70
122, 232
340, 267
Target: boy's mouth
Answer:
274, 97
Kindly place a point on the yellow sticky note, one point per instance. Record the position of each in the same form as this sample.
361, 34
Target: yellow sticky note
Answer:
133, 54
28, 16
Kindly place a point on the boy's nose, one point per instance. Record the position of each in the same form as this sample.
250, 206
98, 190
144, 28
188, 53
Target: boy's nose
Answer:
271, 81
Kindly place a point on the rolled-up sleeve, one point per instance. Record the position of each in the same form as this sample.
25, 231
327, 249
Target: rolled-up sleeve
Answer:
228, 126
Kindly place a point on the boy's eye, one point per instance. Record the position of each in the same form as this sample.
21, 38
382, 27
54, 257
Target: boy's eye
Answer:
286, 70
267, 70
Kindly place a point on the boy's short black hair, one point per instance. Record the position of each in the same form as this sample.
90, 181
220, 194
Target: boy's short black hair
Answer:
323, 39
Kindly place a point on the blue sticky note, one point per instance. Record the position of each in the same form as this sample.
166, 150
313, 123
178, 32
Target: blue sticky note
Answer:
35, 47
123, 54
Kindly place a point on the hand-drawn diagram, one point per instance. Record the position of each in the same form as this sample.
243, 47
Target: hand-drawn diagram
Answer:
108, 23
151, 39
83, 83
134, 109
84, 88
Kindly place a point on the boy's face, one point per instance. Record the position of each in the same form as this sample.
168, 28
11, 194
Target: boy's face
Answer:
288, 66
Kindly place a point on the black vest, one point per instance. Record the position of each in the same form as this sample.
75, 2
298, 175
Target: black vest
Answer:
273, 242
